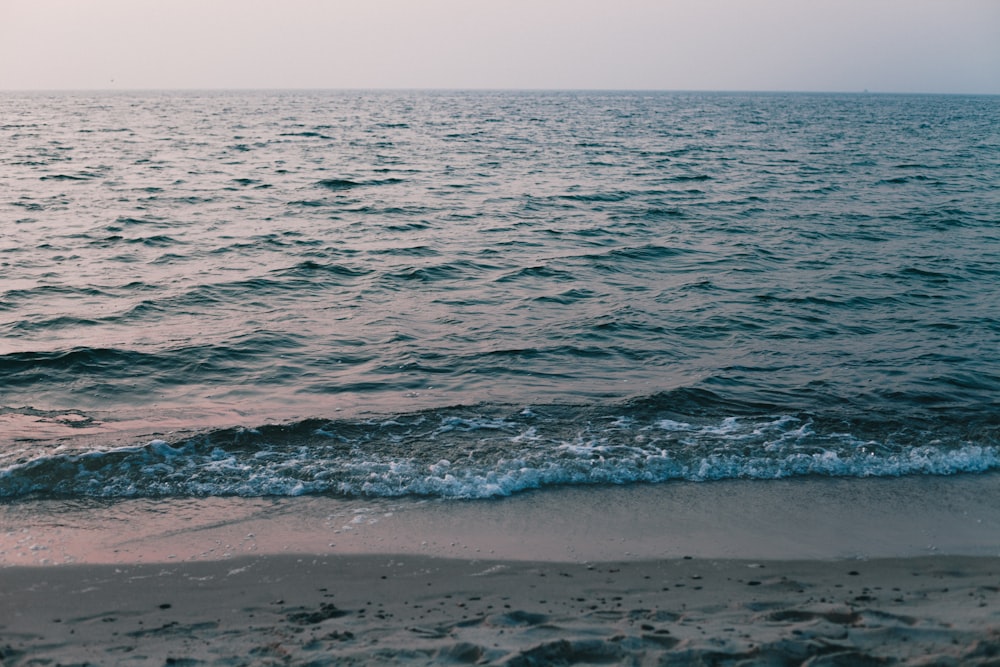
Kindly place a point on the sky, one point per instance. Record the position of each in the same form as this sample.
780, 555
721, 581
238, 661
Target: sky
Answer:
930, 46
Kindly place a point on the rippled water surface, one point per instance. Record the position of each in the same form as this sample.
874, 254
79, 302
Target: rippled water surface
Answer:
472, 293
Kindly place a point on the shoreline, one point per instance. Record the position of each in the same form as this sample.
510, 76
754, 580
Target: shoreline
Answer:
791, 519
381, 609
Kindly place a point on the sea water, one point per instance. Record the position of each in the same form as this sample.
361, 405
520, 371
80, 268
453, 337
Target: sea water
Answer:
469, 294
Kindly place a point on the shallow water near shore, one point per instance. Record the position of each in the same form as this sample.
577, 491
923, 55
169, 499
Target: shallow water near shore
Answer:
811, 518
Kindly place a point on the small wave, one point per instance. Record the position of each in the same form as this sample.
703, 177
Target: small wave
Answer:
568, 297
658, 213
130, 221
439, 272
156, 241
29, 205
83, 176
410, 226
337, 184
426, 274
310, 268
599, 197
305, 133
29, 367
206, 296
122, 371
490, 451
928, 275
902, 180
45, 291
42, 324
414, 251
649, 252
531, 272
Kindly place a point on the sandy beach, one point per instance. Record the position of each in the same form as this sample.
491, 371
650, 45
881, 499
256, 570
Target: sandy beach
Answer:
712, 574
378, 609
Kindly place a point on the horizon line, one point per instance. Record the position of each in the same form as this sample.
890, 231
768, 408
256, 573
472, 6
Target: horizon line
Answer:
733, 91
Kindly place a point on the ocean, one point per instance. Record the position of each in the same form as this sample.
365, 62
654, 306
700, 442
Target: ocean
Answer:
465, 295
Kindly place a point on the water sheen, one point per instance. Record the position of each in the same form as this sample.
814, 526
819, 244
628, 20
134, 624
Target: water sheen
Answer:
802, 284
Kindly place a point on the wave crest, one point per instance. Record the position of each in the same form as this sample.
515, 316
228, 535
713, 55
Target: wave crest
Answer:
490, 451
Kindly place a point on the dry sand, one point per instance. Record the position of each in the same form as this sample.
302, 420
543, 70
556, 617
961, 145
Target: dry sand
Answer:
814, 572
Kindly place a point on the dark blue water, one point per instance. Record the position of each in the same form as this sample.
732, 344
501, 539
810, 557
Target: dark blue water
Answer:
469, 294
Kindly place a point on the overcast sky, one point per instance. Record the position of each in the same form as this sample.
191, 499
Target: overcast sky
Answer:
941, 46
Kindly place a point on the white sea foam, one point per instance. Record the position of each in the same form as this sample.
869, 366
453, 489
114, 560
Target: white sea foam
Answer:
485, 456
